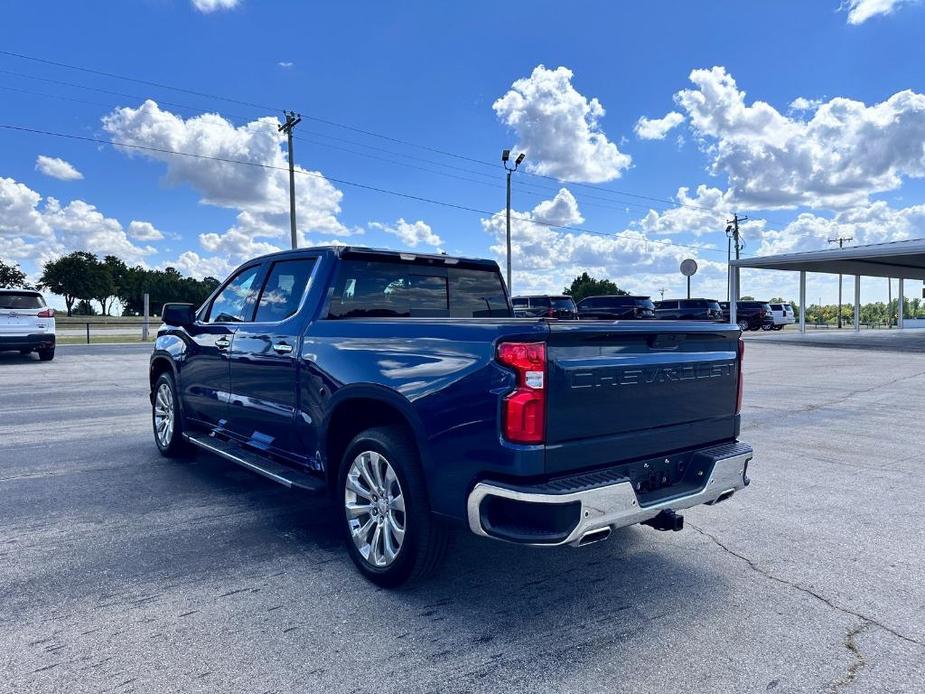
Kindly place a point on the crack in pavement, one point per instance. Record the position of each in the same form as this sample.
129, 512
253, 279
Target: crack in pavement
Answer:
796, 586
852, 645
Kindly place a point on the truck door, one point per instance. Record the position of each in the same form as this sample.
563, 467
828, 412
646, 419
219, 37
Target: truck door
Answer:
204, 374
263, 406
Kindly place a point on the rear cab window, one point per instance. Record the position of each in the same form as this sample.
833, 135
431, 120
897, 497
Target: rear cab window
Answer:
389, 289
21, 301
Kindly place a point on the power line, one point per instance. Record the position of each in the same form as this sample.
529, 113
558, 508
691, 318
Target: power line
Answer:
345, 182
369, 133
199, 109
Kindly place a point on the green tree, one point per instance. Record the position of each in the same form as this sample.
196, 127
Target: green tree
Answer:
112, 274
73, 276
585, 285
84, 308
12, 277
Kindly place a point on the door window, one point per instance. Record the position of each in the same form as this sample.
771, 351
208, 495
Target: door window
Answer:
282, 294
235, 302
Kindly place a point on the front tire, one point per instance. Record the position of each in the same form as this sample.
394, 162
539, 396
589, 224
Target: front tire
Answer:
166, 418
391, 535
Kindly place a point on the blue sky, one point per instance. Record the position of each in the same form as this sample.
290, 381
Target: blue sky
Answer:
808, 117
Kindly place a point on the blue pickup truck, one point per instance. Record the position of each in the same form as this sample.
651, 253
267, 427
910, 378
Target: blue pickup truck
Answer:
402, 386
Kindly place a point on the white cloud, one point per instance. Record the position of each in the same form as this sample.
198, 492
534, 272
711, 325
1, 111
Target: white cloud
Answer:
208, 6
57, 168
191, 264
873, 223
657, 128
260, 192
285, 64
859, 11
546, 259
702, 213
36, 229
144, 231
410, 233
559, 129
845, 152
801, 103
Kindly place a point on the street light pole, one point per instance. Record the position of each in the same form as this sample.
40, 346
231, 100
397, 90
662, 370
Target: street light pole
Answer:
509, 172
505, 158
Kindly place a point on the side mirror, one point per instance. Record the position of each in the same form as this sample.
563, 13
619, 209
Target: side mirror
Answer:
178, 314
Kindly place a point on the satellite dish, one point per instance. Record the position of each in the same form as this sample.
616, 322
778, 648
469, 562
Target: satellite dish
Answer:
688, 267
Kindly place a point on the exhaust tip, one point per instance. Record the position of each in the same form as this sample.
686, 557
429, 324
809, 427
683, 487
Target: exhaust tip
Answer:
592, 536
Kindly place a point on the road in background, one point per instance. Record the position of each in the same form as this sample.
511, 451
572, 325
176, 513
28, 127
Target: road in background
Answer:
122, 571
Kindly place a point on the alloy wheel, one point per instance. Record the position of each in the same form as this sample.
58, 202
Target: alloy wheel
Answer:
375, 509
163, 415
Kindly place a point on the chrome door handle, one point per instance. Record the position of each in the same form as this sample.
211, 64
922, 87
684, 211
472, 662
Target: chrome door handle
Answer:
223, 343
282, 348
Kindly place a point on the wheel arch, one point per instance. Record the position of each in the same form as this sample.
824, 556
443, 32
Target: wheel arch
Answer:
357, 408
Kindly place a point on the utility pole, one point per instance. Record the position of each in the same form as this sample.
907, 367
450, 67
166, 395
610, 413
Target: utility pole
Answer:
732, 235
292, 120
841, 242
662, 292
505, 158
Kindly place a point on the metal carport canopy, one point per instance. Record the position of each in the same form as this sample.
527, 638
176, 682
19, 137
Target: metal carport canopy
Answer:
900, 259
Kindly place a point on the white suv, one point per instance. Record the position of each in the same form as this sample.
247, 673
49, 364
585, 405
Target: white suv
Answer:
26, 324
782, 314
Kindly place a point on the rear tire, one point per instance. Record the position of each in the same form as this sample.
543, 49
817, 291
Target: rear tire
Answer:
166, 418
47, 354
743, 325
391, 534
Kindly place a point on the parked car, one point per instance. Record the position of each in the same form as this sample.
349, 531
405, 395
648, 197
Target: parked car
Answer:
545, 306
689, 309
750, 315
781, 315
26, 323
616, 308
305, 366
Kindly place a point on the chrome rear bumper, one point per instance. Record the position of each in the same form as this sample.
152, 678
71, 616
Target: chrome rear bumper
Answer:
614, 505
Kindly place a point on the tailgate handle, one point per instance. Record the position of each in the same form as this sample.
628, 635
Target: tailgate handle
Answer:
666, 341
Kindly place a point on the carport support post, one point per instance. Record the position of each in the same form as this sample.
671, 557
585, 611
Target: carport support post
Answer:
857, 303
802, 301
899, 300
734, 293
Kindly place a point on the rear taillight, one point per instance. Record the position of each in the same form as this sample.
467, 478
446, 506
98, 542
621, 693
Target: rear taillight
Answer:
739, 376
523, 416
46, 313
550, 313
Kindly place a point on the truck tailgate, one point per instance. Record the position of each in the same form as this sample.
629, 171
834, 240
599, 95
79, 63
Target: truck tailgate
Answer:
624, 390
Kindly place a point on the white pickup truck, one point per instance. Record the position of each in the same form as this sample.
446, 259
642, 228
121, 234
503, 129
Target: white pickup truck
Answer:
26, 323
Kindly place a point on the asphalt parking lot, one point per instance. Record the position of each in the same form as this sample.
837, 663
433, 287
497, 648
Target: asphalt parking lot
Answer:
122, 571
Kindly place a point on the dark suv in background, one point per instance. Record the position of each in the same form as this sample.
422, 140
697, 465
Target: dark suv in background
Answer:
544, 306
689, 309
750, 315
616, 308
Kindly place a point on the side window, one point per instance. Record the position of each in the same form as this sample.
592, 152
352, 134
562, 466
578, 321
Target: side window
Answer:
235, 303
519, 302
282, 294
